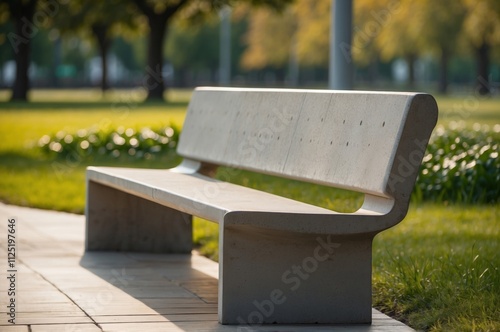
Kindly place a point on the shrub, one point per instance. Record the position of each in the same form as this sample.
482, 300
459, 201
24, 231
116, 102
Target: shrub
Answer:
461, 165
119, 143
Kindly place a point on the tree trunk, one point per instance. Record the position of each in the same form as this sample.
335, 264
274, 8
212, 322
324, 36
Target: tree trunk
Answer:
158, 23
373, 73
21, 42
101, 33
281, 75
483, 62
181, 77
21, 83
411, 70
154, 76
56, 62
443, 72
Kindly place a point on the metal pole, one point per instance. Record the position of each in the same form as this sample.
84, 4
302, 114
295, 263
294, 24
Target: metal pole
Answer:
341, 69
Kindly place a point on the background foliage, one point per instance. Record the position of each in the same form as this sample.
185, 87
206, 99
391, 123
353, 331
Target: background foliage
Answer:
461, 166
440, 44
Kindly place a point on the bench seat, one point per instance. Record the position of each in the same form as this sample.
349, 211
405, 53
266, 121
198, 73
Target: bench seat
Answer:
184, 192
203, 196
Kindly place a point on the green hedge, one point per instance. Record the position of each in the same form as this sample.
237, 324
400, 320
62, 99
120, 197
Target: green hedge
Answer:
128, 143
461, 165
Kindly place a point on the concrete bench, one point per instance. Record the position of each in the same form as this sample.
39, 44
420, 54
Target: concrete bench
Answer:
281, 261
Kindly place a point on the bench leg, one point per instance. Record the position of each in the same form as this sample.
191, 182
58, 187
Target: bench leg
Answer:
269, 277
123, 222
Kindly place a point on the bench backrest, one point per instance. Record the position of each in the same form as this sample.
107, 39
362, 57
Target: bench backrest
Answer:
372, 142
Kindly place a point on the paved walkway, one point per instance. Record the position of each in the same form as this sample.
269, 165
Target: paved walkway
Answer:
58, 287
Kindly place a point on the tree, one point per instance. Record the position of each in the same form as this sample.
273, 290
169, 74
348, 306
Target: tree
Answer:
264, 50
21, 13
400, 33
363, 38
441, 23
102, 20
6, 53
313, 31
193, 47
302, 31
159, 15
482, 29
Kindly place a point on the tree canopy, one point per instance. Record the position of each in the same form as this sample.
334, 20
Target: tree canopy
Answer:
100, 21
383, 30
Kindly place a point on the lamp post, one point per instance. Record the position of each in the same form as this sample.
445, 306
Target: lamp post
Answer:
341, 69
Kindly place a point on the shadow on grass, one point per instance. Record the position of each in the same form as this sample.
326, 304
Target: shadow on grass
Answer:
18, 160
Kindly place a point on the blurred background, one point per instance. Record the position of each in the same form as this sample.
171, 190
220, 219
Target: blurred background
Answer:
446, 46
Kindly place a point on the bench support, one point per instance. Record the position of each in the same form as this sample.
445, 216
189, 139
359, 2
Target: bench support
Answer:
122, 222
270, 277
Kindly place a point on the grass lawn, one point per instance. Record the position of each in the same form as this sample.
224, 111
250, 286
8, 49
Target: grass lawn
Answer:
437, 270
30, 178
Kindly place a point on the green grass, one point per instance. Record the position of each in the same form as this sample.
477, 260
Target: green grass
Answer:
437, 270
472, 109
32, 179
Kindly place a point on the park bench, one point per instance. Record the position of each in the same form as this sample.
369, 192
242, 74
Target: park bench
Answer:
280, 260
